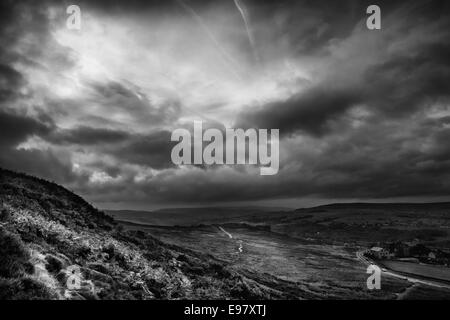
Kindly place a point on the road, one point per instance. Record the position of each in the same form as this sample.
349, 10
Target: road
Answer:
240, 248
226, 232
360, 256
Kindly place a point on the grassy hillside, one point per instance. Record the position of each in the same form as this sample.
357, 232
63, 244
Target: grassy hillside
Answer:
54, 245
368, 223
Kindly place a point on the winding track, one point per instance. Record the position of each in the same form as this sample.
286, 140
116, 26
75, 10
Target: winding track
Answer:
240, 248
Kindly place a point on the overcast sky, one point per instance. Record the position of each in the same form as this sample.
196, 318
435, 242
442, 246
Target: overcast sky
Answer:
363, 115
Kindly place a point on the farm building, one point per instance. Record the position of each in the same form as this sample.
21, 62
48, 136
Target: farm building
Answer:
379, 253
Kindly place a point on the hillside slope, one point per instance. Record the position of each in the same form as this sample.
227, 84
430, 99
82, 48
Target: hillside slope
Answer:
55, 245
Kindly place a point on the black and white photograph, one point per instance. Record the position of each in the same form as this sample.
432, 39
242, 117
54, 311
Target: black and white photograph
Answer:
238, 152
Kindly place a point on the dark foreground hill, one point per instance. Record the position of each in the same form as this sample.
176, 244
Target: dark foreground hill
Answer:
55, 245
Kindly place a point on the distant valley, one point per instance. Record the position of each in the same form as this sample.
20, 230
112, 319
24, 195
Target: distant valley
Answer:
311, 248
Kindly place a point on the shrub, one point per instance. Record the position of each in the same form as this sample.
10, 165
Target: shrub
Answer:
83, 252
5, 215
157, 288
23, 289
13, 255
110, 250
54, 264
28, 267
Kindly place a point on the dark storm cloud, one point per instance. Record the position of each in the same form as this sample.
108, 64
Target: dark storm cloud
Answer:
377, 160
118, 97
355, 166
404, 83
388, 167
374, 161
18, 18
152, 150
307, 111
10, 82
41, 163
398, 84
15, 128
87, 136
149, 150
8, 14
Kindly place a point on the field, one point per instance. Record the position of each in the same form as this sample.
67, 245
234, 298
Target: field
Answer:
307, 250
427, 271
